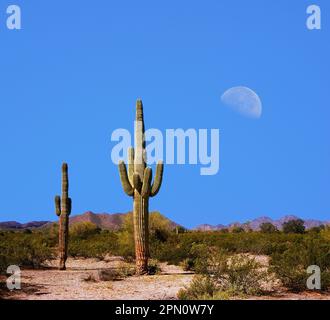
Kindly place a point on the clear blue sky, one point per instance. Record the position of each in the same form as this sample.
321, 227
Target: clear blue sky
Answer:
72, 75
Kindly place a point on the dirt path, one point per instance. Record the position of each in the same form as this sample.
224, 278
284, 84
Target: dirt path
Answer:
77, 283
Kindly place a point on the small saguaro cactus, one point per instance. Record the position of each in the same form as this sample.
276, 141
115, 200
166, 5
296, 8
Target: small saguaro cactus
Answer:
63, 210
137, 183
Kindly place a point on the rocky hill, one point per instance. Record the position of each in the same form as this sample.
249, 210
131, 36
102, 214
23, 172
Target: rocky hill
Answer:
13, 225
102, 220
108, 221
256, 223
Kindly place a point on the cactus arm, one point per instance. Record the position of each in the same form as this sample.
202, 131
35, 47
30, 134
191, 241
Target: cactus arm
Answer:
158, 179
58, 205
146, 186
129, 190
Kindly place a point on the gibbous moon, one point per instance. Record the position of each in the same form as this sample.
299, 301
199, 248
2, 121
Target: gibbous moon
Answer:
244, 101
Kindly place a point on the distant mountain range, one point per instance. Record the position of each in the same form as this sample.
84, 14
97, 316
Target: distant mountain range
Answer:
114, 222
13, 225
108, 221
256, 223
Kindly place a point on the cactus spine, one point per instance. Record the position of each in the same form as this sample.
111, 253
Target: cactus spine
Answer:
63, 210
137, 183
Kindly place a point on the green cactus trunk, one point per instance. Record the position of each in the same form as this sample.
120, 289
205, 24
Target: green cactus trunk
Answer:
141, 232
63, 210
137, 183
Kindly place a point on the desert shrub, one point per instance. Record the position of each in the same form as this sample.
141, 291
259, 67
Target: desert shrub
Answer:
160, 227
126, 269
325, 233
239, 274
218, 295
236, 274
180, 229
83, 230
88, 241
50, 234
294, 226
267, 227
187, 264
159, 235
291, 266
94, 246
209, 260
126, 247
244, 275
173, 251
153, 267
179, 247
317, 229
200, 287
237, 230
255, 242
24, 250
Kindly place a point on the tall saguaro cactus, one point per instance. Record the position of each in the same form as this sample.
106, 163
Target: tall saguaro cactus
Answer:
137, 183
63, 210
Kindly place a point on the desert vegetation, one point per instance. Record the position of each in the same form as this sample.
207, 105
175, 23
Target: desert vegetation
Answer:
224, 263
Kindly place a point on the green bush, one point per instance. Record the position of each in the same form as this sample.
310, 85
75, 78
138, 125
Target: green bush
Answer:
94, 246
223, 274
24, 249
244, 275
126, 269
177, 248
294, 226
200, 288
325, 234
317, 229
237, 230
173, 251
209, 261
291, 266
267, 227
83, 230
126, 247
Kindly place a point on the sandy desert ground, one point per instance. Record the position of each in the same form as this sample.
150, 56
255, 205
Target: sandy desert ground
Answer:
81, 281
